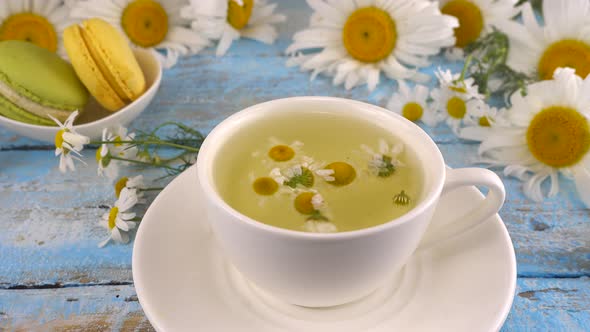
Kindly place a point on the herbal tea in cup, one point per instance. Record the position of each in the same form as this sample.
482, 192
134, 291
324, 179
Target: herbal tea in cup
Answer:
279, 175
324, 173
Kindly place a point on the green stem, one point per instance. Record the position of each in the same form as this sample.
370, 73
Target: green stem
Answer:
184, 147
142, 162
150, 189
465, 66
138, 219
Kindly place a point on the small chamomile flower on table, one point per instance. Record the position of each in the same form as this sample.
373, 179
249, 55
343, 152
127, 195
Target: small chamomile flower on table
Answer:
480, 120
411, 103
149, 24
455, 98
40, 22
119, 220
476, 18
355, 41
106, 165
119, 135
563, 41
547, 133
135, 182
229, 20
68, 143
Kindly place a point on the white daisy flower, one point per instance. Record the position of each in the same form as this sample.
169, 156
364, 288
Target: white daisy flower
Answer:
548, 132
279, 151
106, 165
149, 24
228, 20
480, 120
454, 99
136, 183
122, 150
476, 18
360, 39
411, 103
119, 220
68, 142
40, 22
384, 162
564, 40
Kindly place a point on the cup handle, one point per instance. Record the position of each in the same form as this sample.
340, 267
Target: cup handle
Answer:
492, 203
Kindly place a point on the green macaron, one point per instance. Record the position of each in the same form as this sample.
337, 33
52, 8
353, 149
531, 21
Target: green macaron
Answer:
36, 84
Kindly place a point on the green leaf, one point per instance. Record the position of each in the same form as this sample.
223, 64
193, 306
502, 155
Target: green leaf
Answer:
305, 179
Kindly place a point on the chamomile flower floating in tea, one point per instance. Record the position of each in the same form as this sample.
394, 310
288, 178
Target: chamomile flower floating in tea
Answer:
455, 98
547, 133
312, 206
68, 143
563, 41
298, 175
40, 22
228, 20
476, 17
265, 186
359, 40
411, 103
401, 199
119, 220
149, 24
384, 162
339, 173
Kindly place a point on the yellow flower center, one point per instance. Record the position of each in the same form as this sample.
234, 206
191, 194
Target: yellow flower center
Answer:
281, 153
558, 136
29, 27
303, 203
265, 186
412, 111
113, 217
343, 173
565, 53
145, 22
59, 140
122, 183
238, 16
456, 107
369, 34
118, 141
470, 20
484, 121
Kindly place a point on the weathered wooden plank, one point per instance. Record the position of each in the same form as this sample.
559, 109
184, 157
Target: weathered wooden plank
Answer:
539, 305
550, 305
50, 229
113, 308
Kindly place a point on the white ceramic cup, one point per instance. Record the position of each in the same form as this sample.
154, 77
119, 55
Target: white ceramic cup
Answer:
319, 270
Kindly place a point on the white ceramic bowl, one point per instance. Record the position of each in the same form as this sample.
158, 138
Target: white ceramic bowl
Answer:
94, 118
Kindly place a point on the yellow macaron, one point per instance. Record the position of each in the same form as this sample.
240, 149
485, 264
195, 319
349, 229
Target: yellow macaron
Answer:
103, 60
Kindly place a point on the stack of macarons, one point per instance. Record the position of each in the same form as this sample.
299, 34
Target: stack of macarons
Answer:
37, 85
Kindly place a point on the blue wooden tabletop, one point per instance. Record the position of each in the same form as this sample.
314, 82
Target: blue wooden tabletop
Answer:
54, 277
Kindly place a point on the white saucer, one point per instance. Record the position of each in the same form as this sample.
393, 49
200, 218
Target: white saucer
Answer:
184, 283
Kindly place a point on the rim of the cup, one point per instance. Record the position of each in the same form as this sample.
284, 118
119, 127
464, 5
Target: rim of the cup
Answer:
210, 190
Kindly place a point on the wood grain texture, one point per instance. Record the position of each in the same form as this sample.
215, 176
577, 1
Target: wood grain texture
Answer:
540, 305
53, 276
